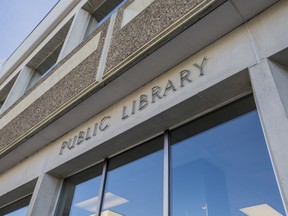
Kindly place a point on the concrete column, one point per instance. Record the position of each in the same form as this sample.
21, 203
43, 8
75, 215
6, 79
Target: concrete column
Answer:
45, 195
108, 39
76, 32
19, 87
270, 86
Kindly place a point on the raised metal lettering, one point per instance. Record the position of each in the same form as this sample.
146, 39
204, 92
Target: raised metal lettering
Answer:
155, 93
184, 76
124, 113
200, 67
169, 86
71, 144
143, 103
81, 137
104, 125
95, 129
63, 146
88, 134
133, 108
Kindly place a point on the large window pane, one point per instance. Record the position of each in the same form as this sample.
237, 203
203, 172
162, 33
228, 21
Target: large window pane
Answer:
135, 182
224, 170
85, 198
19, 212
80, 194
18, 208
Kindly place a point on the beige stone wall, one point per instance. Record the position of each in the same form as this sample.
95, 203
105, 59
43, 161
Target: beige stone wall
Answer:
74, 77
53, 91
148, 29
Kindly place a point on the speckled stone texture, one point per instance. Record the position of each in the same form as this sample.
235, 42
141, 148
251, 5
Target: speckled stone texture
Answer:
150, 22
141, 30
75, 81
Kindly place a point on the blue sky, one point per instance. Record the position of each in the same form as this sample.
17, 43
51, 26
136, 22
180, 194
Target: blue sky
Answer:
17, 19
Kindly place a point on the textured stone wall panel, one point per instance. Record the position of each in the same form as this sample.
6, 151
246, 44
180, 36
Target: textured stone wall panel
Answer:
149, 23
70, 85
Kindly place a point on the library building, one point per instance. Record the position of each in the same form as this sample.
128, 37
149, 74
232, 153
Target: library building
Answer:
148, 108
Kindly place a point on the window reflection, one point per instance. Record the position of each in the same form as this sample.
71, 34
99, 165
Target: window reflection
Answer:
79, 196
100, 13
17, 208
19, 212
85, 199
135, 182
225, 170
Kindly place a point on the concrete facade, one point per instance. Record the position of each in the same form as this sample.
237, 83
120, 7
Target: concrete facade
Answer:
95, 92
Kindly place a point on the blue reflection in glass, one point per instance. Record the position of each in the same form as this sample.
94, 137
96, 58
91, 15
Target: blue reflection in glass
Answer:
85, 198
223, 171
111, 13
136, 189
19, 212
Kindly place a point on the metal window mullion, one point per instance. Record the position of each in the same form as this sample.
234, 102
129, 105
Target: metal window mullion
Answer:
166, 177
102, 188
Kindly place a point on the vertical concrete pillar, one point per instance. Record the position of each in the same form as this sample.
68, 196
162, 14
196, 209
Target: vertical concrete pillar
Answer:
104, 55
19, 87
76, 32
270, 87
44, 198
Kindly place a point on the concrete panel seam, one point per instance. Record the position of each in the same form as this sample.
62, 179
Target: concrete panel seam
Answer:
252, 42
236, 8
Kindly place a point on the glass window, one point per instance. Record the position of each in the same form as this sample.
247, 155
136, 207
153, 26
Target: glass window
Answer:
100, 12
135, 182
18, 208
4, 92
80, 194
45, 67
19, 212
45, 60
223, 170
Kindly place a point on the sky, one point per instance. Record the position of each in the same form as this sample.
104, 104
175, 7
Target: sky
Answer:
18, 18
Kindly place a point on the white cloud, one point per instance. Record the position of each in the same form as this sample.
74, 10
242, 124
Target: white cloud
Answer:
111, 200
260, 210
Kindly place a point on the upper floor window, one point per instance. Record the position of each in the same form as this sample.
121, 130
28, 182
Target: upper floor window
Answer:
5, 89
45, 60
100, 11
